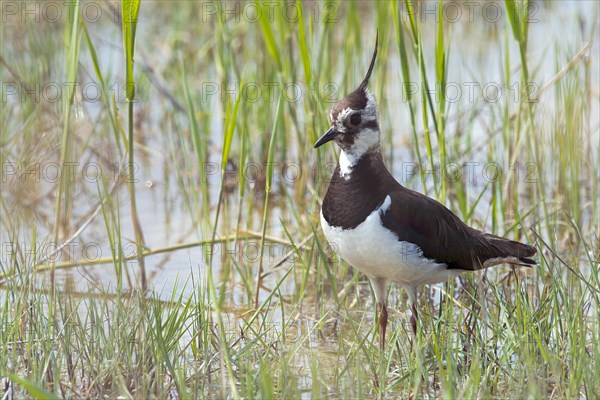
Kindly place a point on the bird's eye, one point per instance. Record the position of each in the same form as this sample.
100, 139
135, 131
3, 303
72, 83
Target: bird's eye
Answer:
355, 119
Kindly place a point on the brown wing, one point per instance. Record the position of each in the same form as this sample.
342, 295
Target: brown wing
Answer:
443, 237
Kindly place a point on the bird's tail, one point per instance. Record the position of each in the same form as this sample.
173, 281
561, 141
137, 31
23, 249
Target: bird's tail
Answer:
501, 250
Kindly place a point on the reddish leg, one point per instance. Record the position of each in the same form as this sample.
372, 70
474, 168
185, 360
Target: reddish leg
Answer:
383, 319
413, 319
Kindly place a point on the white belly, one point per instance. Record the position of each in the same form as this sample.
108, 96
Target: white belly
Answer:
376, 251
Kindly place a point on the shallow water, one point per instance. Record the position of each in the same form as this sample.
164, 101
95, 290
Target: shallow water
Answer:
164, 210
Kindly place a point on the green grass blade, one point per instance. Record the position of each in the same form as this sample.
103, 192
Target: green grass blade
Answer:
230, 128
269, 180
269, 38
513, 17
304, 54
129, 16
33, 389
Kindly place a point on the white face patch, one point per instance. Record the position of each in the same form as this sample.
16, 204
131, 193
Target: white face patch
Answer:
366, 140
346, 165
339, 122
370, 112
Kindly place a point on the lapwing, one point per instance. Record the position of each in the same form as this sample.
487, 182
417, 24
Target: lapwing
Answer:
387, 231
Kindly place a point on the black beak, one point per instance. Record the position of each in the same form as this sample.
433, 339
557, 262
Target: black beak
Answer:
327, 137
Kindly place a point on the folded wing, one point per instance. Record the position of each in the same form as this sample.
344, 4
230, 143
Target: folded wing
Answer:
443, 237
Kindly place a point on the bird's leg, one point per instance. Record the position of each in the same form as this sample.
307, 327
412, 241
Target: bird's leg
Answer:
379, 287
383, 318
413, 319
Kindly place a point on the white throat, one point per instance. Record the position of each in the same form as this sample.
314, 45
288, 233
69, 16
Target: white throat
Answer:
366, 141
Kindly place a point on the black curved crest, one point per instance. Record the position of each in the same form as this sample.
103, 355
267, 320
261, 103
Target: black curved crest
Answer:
365, 82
